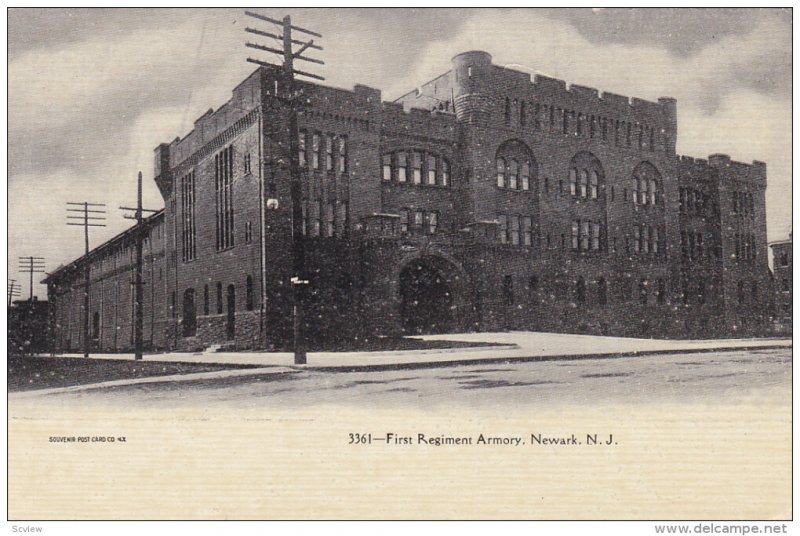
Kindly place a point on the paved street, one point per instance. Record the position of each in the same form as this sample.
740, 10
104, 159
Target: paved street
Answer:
710, 377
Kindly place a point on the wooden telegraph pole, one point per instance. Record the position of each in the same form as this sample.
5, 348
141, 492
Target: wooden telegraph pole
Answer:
92, 217
138, 331
299, 280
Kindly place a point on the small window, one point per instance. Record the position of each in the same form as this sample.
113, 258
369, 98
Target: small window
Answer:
431, 169
302, 148
416, 162
404, 220
329, 143
643, 292
342, 154
247, 163
513, 174
573, 182
513, 223
527, 230
386, 161
205, 301
219, 298
501, 173
503, 228
402, 167
445, 172
315, 151
433, 222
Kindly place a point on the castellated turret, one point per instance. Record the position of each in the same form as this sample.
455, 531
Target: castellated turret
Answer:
472, 93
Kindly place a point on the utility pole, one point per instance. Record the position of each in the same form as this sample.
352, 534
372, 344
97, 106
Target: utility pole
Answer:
92, 217
13, 291
31, 265
139, 238
299, 280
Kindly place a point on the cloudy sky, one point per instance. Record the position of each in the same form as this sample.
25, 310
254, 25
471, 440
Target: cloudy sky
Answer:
92, 92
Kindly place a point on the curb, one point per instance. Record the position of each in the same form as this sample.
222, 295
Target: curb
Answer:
257, 371
377, 367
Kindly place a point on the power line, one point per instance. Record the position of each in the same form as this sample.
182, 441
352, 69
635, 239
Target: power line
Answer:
96, 219
300, 279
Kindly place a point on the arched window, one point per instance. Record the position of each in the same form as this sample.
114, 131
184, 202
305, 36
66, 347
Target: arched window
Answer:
647, 187
249, 293
516, 167
501, 173
526, 175
586, 176
602, 291
513, 174
580, 290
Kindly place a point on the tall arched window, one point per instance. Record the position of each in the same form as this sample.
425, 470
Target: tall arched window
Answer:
593, 185
501, 172
584, 183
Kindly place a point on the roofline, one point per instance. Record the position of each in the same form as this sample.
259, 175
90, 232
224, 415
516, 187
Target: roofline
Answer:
108, 243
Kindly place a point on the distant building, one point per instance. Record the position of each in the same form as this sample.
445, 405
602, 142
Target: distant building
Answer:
28, 327
482, 200
782, 270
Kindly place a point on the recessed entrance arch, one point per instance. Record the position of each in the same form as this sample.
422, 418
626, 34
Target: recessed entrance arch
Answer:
430, 293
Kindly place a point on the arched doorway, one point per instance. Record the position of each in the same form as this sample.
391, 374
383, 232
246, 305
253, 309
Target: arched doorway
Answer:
427, 298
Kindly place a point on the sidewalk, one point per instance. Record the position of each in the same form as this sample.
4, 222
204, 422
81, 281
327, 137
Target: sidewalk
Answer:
524, 346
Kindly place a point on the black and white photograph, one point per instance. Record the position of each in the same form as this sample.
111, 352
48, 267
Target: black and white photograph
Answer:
400, 264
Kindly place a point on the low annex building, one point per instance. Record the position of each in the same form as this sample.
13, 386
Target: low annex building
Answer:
485, 199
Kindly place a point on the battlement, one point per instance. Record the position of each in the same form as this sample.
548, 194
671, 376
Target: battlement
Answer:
725, 167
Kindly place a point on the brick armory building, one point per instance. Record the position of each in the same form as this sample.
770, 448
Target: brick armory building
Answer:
485, 199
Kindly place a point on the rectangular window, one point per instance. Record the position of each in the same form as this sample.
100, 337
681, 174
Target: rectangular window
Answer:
223, 175
419, 221
301, 153
431, 169
585, 235
433, 222
593, 185
248, 232
575, 235
402, 167
503, 228
343, 154
313, 214
305, 217
514, 228
404, 220
342, 219
387, 167
330, 220
247, 163
316, 151
329, 142
219, 298
445, 172
416, 162
573, 182
188, 221
596, 236
527, 230
637, 239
